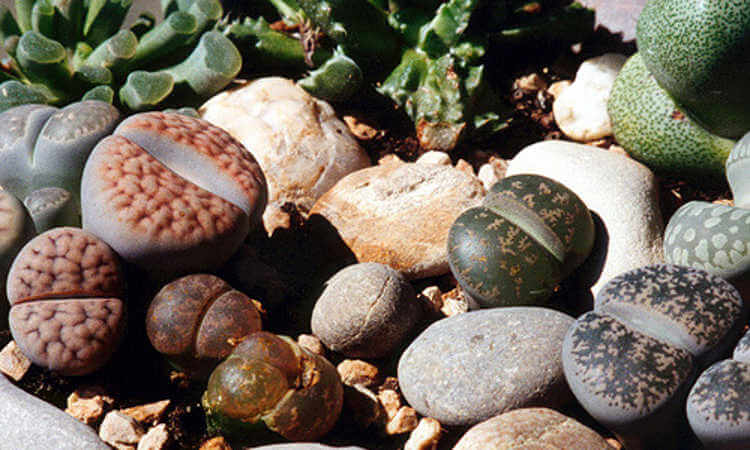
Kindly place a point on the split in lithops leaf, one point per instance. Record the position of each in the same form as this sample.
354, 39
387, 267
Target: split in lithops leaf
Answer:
61, 52
529, 234
271, 384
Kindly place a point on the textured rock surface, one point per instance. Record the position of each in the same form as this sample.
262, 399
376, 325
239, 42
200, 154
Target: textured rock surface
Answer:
467, 368
581, 109
631, 361
28, 422
531, 428
400, 213
622, 193
366, 310
300, 144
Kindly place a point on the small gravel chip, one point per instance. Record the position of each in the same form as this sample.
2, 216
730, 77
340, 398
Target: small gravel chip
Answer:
13, 362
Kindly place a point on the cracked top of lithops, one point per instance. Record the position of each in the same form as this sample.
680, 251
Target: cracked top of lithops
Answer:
64, 262
684, 306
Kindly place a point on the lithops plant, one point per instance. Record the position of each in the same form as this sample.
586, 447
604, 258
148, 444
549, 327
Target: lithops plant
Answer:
43, 146
529, 234
718, 406
171, 194
192, 320
269, 383
65, 51
737, 168
52, 207
631, 361
66, 290
16, 229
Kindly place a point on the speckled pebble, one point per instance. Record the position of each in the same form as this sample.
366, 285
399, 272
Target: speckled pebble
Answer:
470, 367
742, 349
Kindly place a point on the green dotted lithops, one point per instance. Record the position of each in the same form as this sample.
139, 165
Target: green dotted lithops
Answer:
529, 234
631, 361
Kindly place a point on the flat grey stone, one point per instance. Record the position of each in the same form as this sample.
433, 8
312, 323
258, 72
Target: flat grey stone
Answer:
467, 368
27, 422
620, 191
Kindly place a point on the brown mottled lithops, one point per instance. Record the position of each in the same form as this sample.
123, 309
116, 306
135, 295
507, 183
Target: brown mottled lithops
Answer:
171, 194
631, 361
66, 289
718, 406
192, 319
366, 311
269, 383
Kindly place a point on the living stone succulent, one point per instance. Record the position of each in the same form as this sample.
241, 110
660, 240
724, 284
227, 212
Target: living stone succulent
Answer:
529, 234
16, 229
631, 361
171, 194
65, 51
42, 146
193, 319
271, 384
66, 292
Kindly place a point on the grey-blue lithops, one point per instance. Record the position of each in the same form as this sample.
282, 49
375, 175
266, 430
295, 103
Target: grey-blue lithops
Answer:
16, 229
365, 311
718, 407
52, 207
737, 168
631, 361
467, 368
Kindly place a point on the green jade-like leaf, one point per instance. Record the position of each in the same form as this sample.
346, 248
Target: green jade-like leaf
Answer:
173, 32
43, 18
14, 93
82, 51
103, 19
213, 64
143, 90
206, 13
336, 80
93, 75
101, 93
23, 14
44, 61
143, 24
68, 21
115, 52
8, 25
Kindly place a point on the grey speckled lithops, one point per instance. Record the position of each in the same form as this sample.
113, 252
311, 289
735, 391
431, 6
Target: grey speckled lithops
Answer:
631, 361
529, 233
16, 228
52, 207
718, 407
738, 167
42, 146
66, 291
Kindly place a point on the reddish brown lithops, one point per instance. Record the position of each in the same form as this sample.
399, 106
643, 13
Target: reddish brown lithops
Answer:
193, 320
65, 288
172, 194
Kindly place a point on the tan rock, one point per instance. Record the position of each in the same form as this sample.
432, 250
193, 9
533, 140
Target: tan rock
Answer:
405, 421
150, 413
120, 431
426, 436
300, 144
435, 157
156, 438
217, 443
312, 344
357, 372
433, 297
88, 406
531, 83
13, 362
531, 428
391, 401
558, 87
400, 214
465, 167
456, 302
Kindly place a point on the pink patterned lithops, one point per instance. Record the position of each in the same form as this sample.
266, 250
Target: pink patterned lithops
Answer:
65, 288
172, 194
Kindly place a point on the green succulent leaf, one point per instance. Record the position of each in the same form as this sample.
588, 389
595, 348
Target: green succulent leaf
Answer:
8, 25
336, 80
43, 18
103, 19
172, 33
144, 90
115, 52
101, 93
44, 61
23, 14
14, 93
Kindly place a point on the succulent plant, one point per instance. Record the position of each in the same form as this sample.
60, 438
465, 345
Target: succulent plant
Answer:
16, 229
269, 383
43, 146
529, 234
192, 320
65, 51
171, 194
66, 291
52, 207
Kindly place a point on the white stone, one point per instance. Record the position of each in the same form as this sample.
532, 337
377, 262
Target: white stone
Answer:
425, 436
300, 144
156, 438
435, 157
120, 431
581, 109
488, 175
622, 193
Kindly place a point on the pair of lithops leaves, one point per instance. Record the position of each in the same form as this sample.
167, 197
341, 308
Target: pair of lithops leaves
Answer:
529, 234
716, 237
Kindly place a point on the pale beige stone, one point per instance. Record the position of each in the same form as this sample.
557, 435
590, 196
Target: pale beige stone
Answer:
426, 436
532, 82
405, 421
465, 167
488, 176
391, 401
456, 302
300, 144
217, 443
357, 372
13, 362
149, 413
88, 406
557, 88
435, 157
312, 344
120, 431
390, 158
156, 438
400, 214
433, 297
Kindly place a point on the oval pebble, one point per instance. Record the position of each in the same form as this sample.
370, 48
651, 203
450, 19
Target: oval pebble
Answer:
473, 366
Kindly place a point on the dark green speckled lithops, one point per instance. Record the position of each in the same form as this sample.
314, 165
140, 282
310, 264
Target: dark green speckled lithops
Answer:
631, 361
718, 407
529, 233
